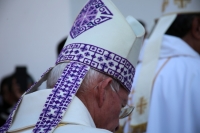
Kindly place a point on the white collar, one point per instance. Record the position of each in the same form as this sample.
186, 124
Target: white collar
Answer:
172, 46
32, 105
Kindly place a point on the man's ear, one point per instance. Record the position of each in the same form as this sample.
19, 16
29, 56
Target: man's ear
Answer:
196, 28
101, 90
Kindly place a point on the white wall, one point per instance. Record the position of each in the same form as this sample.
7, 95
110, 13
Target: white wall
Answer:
29, 33
31, 29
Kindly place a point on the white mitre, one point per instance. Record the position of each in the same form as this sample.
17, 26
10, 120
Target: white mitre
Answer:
174, 7
180, 6
101, 30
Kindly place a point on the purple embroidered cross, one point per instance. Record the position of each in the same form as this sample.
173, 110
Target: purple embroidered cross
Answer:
84, 48
87, 54
103, 66
80, 56
100, 59
107, 56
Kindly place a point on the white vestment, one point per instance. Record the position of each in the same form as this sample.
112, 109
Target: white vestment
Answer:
76, 120
174, 105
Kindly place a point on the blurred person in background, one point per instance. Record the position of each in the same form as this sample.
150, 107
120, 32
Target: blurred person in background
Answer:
12, 87
8, 99
166, 88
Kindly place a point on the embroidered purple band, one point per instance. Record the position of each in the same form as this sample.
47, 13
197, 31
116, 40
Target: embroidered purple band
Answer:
60, 97
100, 59
8, 123
93, 14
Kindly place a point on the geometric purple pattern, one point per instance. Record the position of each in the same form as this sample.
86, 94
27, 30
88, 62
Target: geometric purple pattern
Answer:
60, 97
93, 14
101, 60
8, 123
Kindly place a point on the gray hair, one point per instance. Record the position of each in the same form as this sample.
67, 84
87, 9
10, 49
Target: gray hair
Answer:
90, 77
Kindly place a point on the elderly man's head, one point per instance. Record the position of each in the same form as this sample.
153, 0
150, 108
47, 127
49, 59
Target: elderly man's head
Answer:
103, 96
187, 27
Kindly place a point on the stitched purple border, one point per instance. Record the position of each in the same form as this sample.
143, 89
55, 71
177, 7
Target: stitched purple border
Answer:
60, 97
8, 123
94, 13
100, 59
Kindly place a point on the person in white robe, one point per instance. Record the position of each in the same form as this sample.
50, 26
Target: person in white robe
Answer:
91, 80
172, 106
